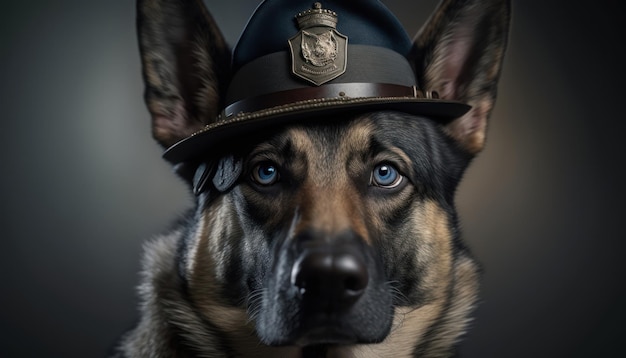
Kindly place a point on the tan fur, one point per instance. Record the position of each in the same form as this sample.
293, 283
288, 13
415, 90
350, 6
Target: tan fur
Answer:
340, 210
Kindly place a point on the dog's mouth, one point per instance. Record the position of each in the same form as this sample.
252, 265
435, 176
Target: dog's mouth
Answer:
322, 329
315, 351
328, 334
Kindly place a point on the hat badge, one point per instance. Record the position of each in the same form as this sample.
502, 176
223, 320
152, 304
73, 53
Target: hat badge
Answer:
318, 51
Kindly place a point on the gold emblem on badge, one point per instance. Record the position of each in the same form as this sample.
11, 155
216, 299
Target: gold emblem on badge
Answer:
318, 51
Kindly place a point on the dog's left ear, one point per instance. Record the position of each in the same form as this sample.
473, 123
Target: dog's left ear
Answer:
459, 54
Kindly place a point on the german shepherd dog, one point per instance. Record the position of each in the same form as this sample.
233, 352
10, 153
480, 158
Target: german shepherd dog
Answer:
328, 238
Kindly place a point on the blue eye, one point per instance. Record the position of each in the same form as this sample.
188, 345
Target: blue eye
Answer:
265, 174
386, 176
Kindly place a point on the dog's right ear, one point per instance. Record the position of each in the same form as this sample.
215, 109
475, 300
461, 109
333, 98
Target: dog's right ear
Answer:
186, 66
459, 54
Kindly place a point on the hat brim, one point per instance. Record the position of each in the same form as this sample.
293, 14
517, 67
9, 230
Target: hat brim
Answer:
201, 143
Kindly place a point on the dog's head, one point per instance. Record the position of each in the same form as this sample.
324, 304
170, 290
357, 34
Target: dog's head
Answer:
335, 229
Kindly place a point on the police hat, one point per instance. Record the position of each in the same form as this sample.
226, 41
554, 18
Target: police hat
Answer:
295, 62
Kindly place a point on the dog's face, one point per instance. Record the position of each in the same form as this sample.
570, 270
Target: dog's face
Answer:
332, 226
339, 230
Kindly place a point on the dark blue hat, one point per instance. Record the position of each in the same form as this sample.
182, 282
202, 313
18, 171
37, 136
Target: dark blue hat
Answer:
364, 22
294, 62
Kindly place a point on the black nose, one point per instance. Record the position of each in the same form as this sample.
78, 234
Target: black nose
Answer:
330, 278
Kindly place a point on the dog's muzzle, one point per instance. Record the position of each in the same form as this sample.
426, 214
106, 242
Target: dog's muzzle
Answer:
329, 290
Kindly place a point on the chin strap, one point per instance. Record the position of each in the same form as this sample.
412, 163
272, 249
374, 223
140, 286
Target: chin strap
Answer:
224, 174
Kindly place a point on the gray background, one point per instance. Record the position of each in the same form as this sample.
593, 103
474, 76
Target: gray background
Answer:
83, 185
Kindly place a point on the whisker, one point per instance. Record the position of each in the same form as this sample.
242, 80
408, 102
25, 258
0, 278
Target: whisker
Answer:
399, 299
253, 304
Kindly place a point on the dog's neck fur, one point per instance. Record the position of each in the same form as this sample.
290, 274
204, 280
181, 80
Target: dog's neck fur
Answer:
171, 326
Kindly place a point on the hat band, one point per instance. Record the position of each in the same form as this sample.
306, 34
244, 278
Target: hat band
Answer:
365, 64
328, 91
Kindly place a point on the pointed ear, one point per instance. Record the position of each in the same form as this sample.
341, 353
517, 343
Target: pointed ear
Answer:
459, 54
186, 66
